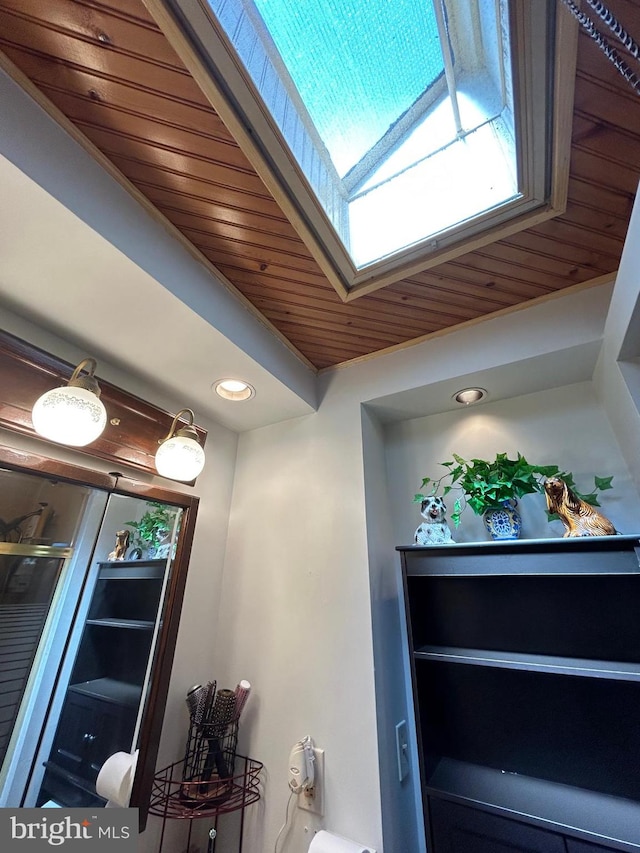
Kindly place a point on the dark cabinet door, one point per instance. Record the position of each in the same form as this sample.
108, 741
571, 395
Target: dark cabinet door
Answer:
460, 829
89, 732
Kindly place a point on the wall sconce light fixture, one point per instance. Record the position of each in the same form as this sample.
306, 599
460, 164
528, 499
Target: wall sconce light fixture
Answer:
73, 414
180, 456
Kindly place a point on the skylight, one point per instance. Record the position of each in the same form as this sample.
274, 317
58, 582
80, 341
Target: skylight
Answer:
391, 131
393, 157
357, 64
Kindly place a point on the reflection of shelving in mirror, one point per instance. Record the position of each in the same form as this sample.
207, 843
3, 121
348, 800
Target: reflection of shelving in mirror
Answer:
99, 693
106, 686
136, 624
110, 690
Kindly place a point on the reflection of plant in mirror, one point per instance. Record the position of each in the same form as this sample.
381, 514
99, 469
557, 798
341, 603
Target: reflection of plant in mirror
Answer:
154, 526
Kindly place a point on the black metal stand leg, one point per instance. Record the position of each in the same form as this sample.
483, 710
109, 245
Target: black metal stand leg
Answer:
164, 823
244, 796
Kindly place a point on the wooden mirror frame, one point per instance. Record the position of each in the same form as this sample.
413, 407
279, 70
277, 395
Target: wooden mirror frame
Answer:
151, 728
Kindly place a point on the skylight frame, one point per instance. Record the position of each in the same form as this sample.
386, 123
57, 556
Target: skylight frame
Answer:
539, 30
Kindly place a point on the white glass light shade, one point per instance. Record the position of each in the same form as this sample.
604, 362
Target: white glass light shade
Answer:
180, 458
69, 415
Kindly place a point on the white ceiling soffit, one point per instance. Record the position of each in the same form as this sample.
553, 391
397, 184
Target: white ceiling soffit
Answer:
44, 151
523, 376
63, 276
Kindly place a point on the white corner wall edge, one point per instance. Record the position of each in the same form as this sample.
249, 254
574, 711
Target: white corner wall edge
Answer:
39, 147
622, 329
616, 378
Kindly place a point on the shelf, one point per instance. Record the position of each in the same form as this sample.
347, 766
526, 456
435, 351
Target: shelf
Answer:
110, 690
173, 798
137, 570
76, 781
584, 814
533, 663
526, 680
552, 543
571, 556
134, 624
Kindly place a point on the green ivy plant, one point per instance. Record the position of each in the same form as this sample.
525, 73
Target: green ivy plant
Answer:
484, 485
154, 526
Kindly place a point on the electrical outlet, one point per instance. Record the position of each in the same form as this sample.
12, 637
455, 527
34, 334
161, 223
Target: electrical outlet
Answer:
312, 800
402, 750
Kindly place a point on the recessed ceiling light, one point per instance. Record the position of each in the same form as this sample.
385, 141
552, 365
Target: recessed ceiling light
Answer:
234, 389
469, 395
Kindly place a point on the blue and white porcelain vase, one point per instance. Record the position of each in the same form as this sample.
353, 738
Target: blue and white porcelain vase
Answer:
503, 522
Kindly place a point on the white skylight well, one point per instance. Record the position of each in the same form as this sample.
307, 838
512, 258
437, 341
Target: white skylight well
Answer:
394, 130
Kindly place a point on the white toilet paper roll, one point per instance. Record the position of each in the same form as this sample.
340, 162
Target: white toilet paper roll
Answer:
116, 778
327, 842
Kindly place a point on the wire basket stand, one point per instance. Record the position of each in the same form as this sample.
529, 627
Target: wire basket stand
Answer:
211, 780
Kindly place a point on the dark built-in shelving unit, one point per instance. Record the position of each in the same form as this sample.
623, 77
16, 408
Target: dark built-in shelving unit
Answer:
104, 693
525, 666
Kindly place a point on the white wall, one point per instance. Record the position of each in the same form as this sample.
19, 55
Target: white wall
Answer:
311, 572
295, 620
401, 801
196, 651
563, 426
617, 378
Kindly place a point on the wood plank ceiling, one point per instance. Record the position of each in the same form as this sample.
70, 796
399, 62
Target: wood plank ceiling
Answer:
107, 67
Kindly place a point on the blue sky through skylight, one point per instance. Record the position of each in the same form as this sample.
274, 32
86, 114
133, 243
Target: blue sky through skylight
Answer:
358, 64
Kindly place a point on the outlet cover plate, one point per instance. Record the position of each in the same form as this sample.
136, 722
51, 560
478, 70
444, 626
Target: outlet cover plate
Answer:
313, 800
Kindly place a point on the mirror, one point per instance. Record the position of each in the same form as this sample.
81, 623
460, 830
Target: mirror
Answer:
92, 575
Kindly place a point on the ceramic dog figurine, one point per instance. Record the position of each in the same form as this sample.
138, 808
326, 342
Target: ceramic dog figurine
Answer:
434, 530
122, 543
579, 518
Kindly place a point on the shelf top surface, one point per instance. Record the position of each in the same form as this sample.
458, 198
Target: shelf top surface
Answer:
110, 689
558, 664
574, 543
598, 818
114, 622
597, 555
